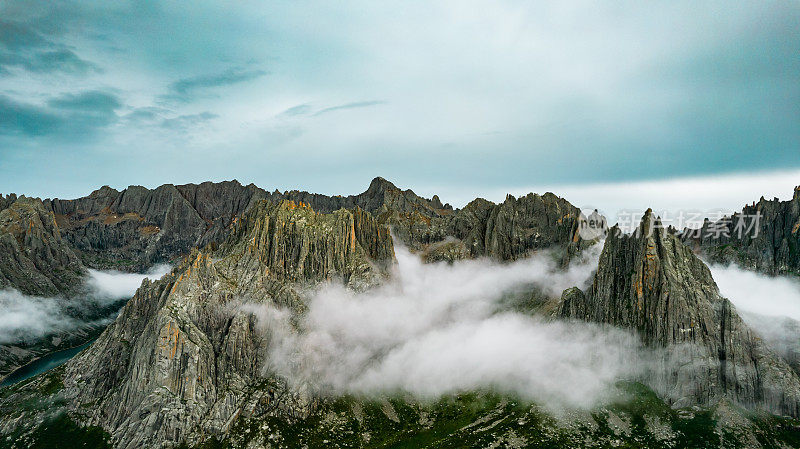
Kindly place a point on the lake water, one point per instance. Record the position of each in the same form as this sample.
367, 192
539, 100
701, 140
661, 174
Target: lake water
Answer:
42, 364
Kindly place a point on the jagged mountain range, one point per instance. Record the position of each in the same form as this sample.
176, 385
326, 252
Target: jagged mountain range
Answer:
137, 227
774, 247
183, 365
49, 244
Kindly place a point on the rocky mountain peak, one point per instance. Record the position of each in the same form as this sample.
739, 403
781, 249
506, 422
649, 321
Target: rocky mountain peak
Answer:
7, 200
380, 185
104, 192
295, 242
651, 283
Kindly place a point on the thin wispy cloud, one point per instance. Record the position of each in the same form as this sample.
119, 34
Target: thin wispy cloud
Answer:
354, 105
15, 36
50, 61
183, 122
71, 116
187, 89
23, 48
91, 101
300, 109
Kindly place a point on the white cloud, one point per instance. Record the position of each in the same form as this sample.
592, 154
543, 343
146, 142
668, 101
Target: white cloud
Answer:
769, 305
112, 285
441, 328
27, 318
758, 293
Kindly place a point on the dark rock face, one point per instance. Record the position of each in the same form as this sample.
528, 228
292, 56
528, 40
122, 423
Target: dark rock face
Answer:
33, 257
132, 229
506, 231
513, 228
449, 250
7, 200
380, 197
184, 359
298, 244
769, 244
35, 260
652, 283
137, 227
781, 333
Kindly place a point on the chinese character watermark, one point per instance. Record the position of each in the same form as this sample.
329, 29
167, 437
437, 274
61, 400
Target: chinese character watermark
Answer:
706, 225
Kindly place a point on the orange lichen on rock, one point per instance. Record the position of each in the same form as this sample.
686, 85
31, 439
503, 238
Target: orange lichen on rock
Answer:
352, 237
637, 285
174, 339
171, 339
149, 230
177, 281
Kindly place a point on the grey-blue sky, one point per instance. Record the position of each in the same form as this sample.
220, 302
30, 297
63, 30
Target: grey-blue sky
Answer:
476, 93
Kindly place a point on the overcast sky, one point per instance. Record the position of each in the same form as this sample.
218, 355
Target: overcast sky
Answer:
459, 97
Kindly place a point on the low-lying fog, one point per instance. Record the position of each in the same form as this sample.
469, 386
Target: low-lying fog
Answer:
28, 318
439, 328
770, 305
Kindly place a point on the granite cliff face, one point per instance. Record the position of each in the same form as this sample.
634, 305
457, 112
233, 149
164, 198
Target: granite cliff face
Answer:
652, 283
184, 359
34, 258
138, 227
764, 237
517, 226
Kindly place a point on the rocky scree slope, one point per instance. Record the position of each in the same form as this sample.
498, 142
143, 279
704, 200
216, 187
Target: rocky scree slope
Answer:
651, 283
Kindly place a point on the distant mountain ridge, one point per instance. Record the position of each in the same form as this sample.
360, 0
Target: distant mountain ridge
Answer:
137, 227
767, 240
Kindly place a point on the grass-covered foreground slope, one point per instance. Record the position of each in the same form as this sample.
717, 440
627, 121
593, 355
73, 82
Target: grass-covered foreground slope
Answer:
634, 418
